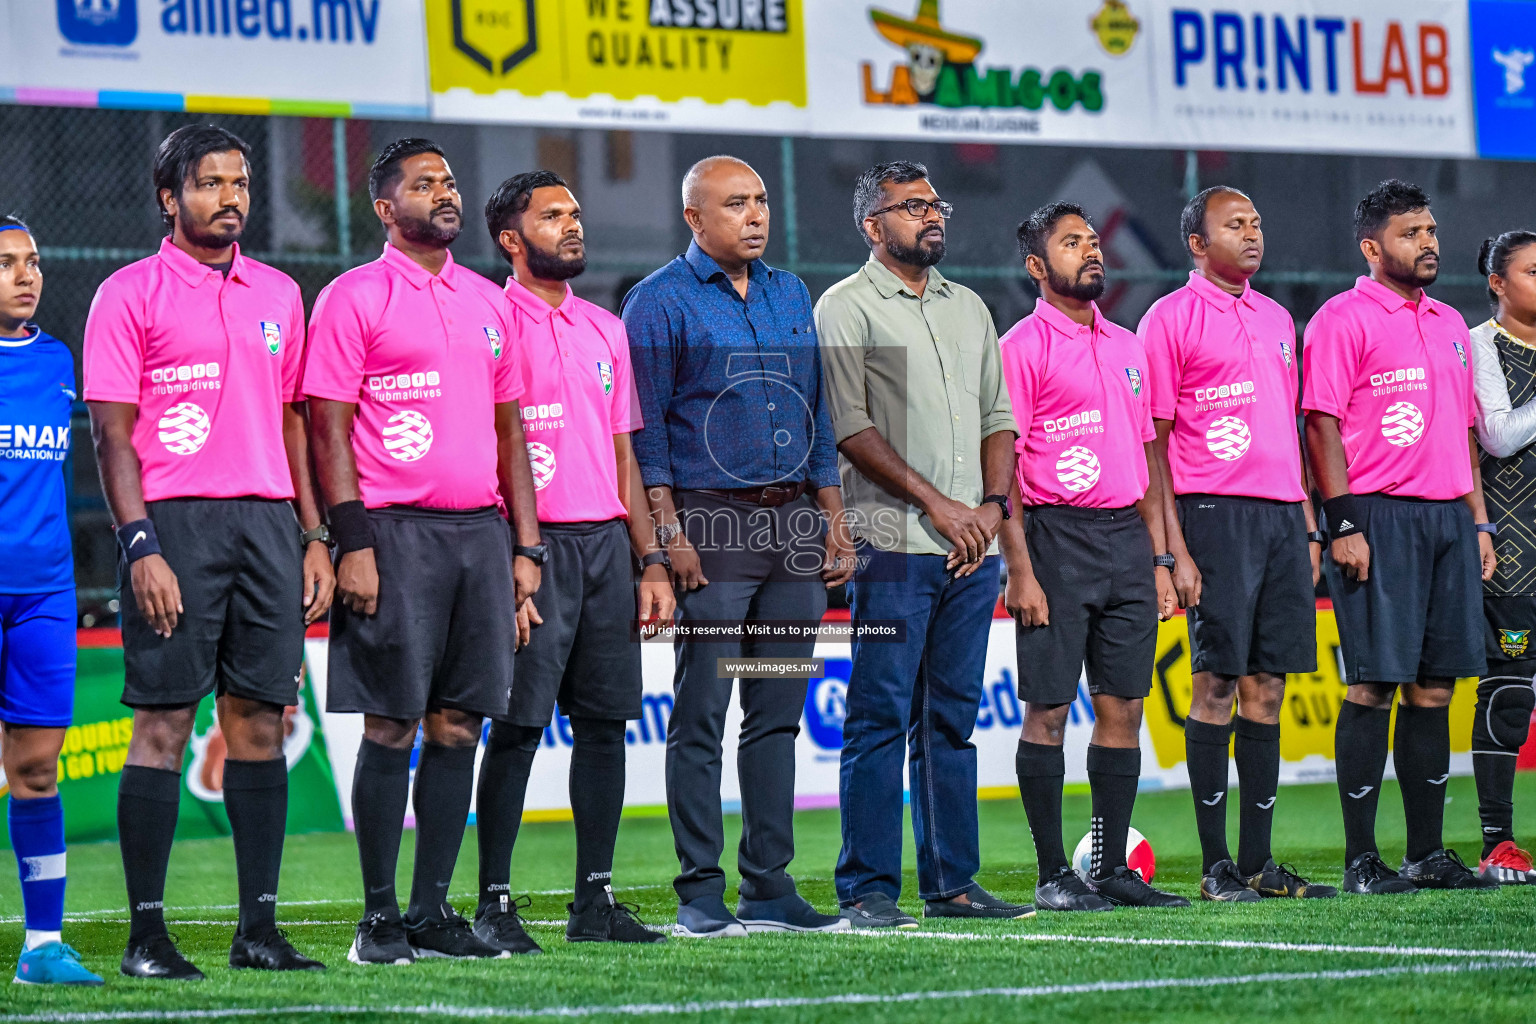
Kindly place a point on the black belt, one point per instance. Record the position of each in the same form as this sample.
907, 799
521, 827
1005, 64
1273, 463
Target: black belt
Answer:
771, 496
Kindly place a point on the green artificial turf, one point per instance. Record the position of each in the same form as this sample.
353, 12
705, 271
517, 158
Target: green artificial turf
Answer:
948, 971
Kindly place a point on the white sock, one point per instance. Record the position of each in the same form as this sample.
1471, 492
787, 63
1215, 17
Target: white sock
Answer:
37, 938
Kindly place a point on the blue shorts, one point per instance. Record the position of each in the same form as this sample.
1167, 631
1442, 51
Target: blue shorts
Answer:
37, 658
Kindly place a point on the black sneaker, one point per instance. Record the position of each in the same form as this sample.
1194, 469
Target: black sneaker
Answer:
1125, 888
1444, 869
450, 937
269, 950
381, 939
1066, 891
1281, 880
1368, 875
502, 926
1222, 884
608, 920
158, 957
982, 904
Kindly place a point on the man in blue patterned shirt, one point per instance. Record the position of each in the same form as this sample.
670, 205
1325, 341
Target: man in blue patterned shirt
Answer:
737, 443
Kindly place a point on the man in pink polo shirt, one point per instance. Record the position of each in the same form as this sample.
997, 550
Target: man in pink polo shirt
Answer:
418, 446
1092, 522
192, 361
1389, 400
1224, 398
579, 407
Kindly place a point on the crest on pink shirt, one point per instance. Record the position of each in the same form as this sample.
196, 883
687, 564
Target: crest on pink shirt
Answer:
493, 336
605, 374
273, 333
1461, 353
1285, 353
1134, 376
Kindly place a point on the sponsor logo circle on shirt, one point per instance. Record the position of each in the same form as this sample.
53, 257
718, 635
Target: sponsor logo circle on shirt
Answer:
407, 435
1402, 424
542, 459
184, 428
1228, 438
1077, 468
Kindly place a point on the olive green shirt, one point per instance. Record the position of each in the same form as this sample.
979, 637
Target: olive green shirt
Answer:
927, 374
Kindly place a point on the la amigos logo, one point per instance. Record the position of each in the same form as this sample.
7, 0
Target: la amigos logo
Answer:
942, 70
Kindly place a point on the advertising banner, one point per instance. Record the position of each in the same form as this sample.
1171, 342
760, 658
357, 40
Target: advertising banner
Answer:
736, 65
1344, 76
96, 746
360, 58
1503, 52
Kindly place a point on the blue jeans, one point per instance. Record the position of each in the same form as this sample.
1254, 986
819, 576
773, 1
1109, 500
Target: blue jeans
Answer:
925, 691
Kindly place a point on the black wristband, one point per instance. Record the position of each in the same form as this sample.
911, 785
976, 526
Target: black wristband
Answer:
350, 526
137, 540
1344, 517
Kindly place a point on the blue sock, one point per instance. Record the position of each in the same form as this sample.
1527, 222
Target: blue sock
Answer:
37, 836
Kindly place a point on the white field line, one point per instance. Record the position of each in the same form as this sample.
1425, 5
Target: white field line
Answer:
727, 1005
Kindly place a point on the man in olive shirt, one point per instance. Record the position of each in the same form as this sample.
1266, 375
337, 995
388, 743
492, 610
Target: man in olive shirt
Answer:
925, 436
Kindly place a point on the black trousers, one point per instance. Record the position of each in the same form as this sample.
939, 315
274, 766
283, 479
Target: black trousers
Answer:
763, 566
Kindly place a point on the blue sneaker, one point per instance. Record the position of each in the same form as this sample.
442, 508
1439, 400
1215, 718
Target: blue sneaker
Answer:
53, 963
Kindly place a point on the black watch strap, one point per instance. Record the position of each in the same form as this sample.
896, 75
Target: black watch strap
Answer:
1000, 500
321, 533
538, 554
1318, 537
1164, 562
655, 558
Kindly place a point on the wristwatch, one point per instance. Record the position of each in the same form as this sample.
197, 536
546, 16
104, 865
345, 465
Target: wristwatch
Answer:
1000, 500
666, 532
1164, 562
655, 558
1492, 528
1318, 537
321, 533
538, 554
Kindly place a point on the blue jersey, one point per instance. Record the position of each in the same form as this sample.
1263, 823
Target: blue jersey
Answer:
37, 392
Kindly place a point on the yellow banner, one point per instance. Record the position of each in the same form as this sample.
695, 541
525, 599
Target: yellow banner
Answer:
714, 50
1311, 701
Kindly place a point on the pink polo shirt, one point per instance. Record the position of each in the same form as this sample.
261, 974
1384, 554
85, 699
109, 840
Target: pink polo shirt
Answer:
426, 358
1084, 410
210, 361
1398, 375
1223, 369
572, 363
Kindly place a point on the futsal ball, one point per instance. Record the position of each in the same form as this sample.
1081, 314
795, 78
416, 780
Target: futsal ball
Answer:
1138, 856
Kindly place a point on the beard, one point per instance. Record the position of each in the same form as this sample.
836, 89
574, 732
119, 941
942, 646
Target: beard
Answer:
211, 235
1076, 288
1409, 275
926, 251
551, 266
427, 231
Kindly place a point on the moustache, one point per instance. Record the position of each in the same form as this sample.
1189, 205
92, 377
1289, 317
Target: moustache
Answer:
447, 208
1090, 265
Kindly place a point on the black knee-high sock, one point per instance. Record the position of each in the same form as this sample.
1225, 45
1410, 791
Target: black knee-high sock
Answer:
1205, 752
1495, 775
1042, 770
1112, 776
381, 785
445, 777
1421, 753
1360, 757
147, 801
1257, 753
504, 772
256, 799
597, 802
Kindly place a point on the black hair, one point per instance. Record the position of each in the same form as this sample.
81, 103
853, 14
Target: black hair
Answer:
1036, 231
181, 151
1494, 254
11, 220
1387, 200
869, 190
510, 201
386, 173
1192, 220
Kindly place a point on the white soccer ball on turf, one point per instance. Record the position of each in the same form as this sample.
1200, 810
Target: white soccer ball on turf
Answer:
1138, 856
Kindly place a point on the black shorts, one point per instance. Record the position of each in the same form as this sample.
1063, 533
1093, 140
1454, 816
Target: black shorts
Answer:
240, 568
1419, 613
1509, 631
446, 625
1095, 566
1257, 610
584, 654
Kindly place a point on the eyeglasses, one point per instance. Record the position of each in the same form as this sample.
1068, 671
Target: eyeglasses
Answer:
918, 209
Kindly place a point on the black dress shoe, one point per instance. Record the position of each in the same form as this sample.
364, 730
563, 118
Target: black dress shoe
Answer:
1066, 891
1126, 888
158, 957
269, 950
